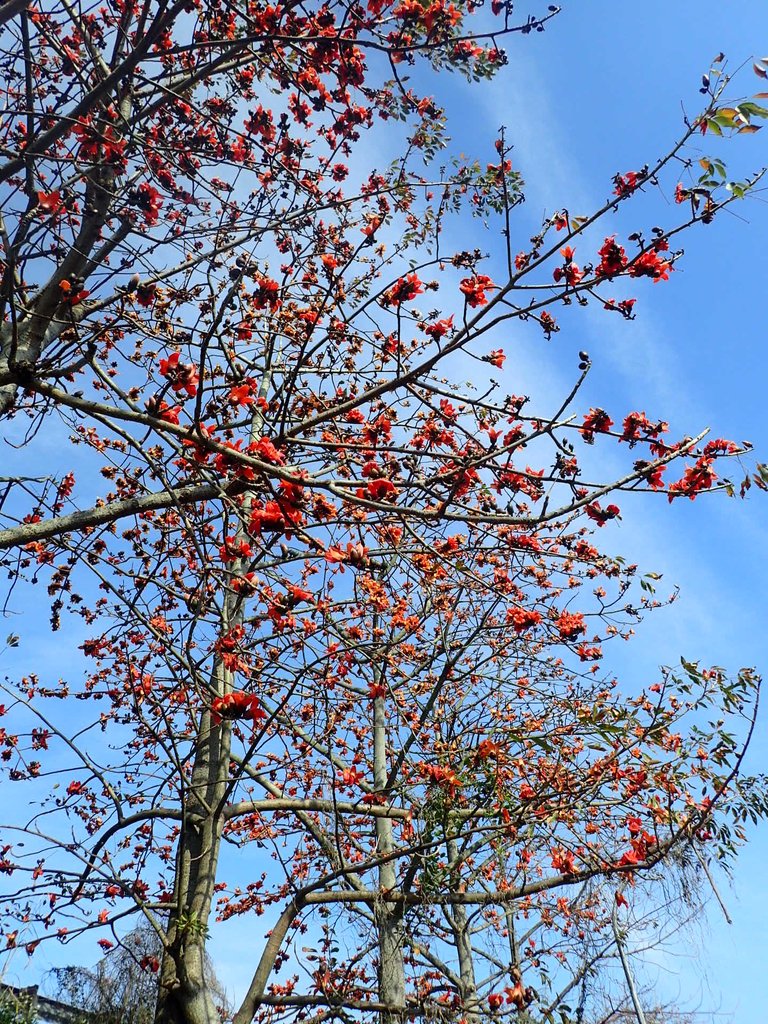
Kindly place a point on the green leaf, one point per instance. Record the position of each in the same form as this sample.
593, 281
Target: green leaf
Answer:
753, 109
723, 121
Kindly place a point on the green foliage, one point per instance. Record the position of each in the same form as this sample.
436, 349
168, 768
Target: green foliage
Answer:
15, 1009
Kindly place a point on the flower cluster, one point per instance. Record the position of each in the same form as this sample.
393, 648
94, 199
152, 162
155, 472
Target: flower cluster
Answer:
148, 200
613, 258
474, 288
267, 294
237, 705
650, 264
182, 376
569, 272
404, 290
625, 184
522, 618
597, 421
570, 625
602, 515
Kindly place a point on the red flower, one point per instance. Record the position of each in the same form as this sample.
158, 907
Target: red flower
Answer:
239, 151
597, 421
50, 202
439, 328
232, 549
522, 618
373, 223
265, 449
587, 653
624, 307
653, 475
548, 324
696, 478
146, 294
650, 264
241, 394
602, 515
237, 705
719, 446
637, 423
381, 489
569, 272
268, 519
625, 184
563, 860
496, 357
404, 290
518, 996
613, 259
148, 199
182, 376
267, 294
355, 554
570, 625
71, 295
163, 411
474, 288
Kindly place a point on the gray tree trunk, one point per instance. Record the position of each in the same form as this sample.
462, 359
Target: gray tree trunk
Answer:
460, 926
389, 916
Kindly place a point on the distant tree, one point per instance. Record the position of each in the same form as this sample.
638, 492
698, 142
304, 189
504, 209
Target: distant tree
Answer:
16, 1007
122, 988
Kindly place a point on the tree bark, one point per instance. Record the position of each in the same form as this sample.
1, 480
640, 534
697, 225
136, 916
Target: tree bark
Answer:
460, 926
184, 996
389, 916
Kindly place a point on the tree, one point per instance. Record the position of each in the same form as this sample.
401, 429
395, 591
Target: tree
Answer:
16, 1008
119, 989
333, 606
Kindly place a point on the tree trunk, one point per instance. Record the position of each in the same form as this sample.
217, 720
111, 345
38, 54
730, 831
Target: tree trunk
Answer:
389, 916
184, 996
460, 927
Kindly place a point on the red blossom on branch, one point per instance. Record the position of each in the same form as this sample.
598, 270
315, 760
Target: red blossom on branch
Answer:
182, 376
404, 290
474, 289
236, 706
597, 421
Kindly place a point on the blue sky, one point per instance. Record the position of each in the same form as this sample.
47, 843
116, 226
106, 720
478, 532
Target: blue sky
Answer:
603, 91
